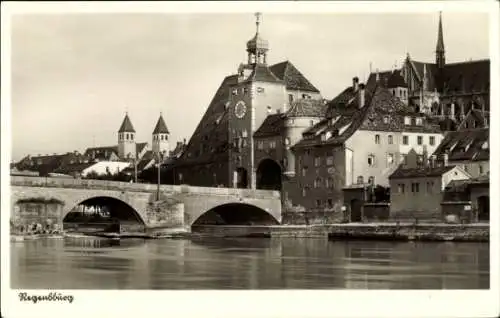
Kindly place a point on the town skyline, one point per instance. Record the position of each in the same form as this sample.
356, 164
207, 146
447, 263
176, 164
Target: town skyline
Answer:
96, 78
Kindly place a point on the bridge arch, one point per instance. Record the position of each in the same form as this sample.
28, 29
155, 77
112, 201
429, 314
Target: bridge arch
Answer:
235, 213
118, 207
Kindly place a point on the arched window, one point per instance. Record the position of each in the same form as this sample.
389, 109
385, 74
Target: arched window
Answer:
377, 139
389, 139
126, 136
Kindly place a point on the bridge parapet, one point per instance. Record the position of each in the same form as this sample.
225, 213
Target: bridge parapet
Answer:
138, 187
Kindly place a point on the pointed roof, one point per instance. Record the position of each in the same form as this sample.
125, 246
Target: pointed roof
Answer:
126, 125
292, 77
161, 127
257, 43
440, 41
396, 80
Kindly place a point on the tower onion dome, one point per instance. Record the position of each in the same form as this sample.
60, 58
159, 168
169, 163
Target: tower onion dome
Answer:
257, 44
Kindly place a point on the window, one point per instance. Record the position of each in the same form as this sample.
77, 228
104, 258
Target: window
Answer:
405, 140
401, 188
485, 145
290, 98
390, 158
308, 152
329, 160
386, 119
126, 136
245, 90
360, 180
430, 186
474, 124
371, 160
304, 192
260, 90
419, 140
243, 142
317, 182
432, 140
329, 183
287, 141
272, 144
131, 136
260, 144
371, 180
419, 121
235, 91
161, 137
480, 169
304, 172
407, 120
389, 140
415, 187
317, 161
311, 123
330, 203
318, 203
377, 139
466, 169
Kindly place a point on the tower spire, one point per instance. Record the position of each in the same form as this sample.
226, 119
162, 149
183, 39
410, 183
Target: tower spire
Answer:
258, 15
440, 58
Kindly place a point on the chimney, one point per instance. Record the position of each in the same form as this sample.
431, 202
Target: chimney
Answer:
361, 95
278, 111
445, 159
433, 161
355, 81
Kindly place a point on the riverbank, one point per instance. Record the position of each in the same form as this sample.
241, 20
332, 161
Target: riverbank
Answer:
356, 231
349, 231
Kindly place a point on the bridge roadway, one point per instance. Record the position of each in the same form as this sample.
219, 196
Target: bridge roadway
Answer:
178, 207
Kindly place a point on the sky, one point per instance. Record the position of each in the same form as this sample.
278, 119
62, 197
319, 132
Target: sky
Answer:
74, 76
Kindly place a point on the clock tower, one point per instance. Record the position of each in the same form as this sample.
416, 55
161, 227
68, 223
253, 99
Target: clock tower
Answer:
254, 94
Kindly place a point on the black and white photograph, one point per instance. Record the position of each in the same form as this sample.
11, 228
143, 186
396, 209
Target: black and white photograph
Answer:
283, 147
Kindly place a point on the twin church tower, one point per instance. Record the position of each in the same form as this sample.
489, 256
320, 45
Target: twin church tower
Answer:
127, 145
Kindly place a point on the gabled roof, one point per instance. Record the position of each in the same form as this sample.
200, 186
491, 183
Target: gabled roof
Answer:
396, 80
481, 118
262, 73
465, 144
139, 147
209, 142
307, 108
382, 112
471, 76
161, 127
126, 125
102, 153
293, 78
272, 126
403, 173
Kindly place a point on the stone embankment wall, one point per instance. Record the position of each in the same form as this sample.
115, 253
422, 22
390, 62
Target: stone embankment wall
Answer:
430, 232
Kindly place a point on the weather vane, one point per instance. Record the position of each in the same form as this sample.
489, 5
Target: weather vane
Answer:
258, 15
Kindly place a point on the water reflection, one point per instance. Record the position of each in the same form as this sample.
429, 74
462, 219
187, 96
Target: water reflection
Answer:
255, 263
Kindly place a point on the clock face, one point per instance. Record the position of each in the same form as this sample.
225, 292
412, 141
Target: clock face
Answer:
240, 109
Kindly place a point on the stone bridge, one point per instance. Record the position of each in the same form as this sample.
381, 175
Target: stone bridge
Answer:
179, 206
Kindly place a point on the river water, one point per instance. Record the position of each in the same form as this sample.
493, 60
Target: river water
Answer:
247, 263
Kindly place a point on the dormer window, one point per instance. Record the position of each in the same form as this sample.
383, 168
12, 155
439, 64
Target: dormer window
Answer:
386, 119
485, 145
407, 120
235, 91
245, 90
419, 121
328, 135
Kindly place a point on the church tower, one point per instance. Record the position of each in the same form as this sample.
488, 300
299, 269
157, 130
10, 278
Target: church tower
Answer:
440, 56
126, 140
160, 137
